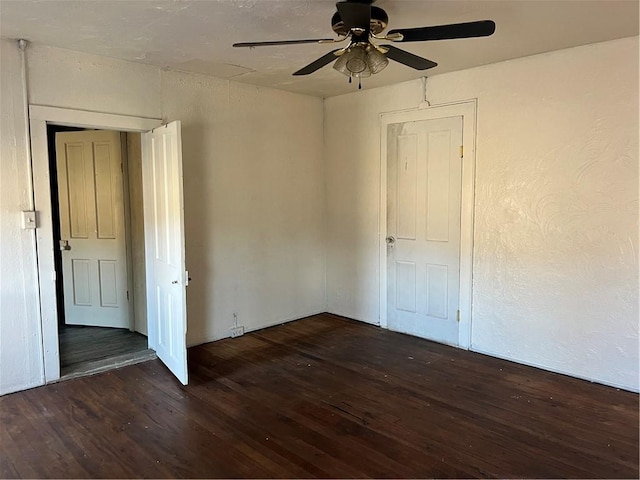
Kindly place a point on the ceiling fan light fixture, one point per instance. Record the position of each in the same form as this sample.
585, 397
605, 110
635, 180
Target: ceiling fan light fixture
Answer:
376, 60
362, 23
353, 62
341, 63
361, 61
356, 62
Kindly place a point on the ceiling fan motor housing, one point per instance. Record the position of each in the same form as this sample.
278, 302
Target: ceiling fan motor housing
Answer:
360, 22
379, 21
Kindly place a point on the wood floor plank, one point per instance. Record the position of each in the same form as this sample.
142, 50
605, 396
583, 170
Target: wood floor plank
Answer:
547, 421
439, 428
276, 426
500, 415
351, 424
322, 397
82, 344
86, 430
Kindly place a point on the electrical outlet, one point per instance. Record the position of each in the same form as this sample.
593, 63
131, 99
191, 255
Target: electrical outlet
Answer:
237, 331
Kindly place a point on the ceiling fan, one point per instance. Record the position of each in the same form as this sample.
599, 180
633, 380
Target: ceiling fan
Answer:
361, 23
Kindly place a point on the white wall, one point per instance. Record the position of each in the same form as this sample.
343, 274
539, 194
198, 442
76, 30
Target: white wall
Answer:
254, 202
254, 193
555, 259
20, 341
556, 209
352, 163
63, 78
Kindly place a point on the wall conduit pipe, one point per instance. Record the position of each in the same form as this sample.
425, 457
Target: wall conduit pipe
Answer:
22, 46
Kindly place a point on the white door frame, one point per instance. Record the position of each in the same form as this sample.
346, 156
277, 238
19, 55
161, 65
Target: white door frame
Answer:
467, 110
39, 117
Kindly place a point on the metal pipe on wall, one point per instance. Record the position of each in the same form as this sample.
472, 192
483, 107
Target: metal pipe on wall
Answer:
22, 46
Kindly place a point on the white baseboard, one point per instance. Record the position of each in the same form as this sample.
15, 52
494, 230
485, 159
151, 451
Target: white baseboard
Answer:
472, 348
215, 338
352, 317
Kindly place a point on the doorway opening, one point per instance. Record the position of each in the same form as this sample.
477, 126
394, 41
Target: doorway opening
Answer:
165, 274
98, 232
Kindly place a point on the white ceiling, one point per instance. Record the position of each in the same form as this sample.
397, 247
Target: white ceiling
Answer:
196, 35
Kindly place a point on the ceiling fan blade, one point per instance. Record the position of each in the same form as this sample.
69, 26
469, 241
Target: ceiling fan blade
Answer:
408, 59
482, 28
282, 42
355, 14
318, 64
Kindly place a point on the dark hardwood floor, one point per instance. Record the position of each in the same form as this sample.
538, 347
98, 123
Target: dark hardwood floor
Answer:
83, 349
322, 397
81, 344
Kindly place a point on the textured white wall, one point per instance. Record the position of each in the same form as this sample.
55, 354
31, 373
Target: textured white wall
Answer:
254, 202
556, 207
68, 79
352, 164
254, 193
20, 344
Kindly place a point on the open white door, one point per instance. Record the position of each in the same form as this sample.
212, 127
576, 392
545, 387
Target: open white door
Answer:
164, 246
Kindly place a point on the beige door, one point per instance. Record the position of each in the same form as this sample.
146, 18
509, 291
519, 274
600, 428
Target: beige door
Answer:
424, 168
94, 264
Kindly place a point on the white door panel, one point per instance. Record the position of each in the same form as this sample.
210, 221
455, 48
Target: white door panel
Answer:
94, 261
164, 246
423, 224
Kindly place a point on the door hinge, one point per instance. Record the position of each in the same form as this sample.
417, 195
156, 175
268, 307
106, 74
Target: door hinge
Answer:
461, 151
127, 295
458, 316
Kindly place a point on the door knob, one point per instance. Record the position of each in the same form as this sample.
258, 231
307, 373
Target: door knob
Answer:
64, 245
391, 240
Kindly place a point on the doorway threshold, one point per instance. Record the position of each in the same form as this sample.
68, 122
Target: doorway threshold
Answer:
104, 364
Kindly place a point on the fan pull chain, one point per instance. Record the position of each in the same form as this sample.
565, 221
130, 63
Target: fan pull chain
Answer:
359, 81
